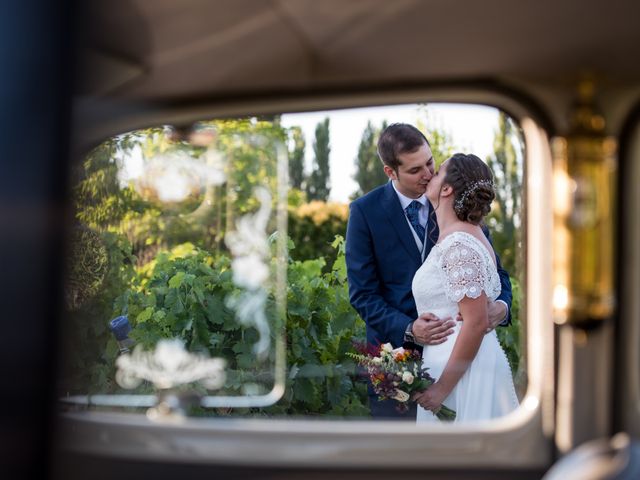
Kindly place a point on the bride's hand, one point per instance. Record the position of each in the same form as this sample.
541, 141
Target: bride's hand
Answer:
431, 398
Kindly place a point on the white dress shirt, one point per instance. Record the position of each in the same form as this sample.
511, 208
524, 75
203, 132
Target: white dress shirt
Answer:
423, 215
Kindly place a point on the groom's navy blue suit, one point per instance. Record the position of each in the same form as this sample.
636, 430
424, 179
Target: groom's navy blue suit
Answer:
382, 258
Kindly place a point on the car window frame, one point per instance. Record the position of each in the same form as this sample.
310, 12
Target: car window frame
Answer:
522, 439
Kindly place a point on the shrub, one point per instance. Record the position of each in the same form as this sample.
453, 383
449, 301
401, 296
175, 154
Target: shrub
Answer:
312, 224
511, 340
182, 294
88, 346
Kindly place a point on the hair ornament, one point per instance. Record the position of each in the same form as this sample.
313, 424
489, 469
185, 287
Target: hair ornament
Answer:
458, 205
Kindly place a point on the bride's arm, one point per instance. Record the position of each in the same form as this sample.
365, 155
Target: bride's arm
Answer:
474, 312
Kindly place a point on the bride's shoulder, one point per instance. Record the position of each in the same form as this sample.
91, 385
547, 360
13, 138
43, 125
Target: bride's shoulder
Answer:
459, 237
462, 246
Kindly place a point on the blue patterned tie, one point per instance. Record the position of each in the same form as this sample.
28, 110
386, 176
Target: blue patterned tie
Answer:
412, 214
432, 227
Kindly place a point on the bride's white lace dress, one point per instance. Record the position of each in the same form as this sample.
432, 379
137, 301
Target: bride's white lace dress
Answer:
461, 265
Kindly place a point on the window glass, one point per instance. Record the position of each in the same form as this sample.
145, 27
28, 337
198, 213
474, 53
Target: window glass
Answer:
175, 279
207, 264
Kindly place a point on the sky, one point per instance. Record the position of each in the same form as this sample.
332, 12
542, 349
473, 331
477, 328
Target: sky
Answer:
471, 128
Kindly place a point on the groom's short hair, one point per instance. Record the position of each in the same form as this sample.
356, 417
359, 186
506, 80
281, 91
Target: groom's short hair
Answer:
396, 139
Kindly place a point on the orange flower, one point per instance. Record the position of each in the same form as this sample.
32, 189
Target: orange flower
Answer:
401, 356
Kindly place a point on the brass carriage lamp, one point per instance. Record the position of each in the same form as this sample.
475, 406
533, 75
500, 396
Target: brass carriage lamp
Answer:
584, 167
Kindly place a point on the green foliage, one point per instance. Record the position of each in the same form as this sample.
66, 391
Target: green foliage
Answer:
319, 182
104, 202
312, 225
506, 215
440, 140
181, 295
369, 172
321, 325
87, 265
296, 158
511, 338
296, 198
89, 347
248, 146
100, 200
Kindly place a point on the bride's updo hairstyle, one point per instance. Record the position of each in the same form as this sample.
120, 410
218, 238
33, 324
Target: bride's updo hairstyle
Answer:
472, 183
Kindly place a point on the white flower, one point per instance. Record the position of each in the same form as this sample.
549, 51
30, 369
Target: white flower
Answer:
387, 348
399, 350
377, 360
407, 377
401, 396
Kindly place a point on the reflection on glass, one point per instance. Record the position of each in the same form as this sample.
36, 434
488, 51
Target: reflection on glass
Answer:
194, 244
187, 225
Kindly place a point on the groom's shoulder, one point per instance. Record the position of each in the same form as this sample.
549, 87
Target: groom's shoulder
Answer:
374, 197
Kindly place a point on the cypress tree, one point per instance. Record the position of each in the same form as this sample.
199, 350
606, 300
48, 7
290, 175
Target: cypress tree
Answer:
296, 158
369, 169
319, 182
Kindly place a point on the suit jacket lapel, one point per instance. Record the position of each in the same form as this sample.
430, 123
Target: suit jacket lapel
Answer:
397, 219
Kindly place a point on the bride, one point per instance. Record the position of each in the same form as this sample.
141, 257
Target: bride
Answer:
471, 370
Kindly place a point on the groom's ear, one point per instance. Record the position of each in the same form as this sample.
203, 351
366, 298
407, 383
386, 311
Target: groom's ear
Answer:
390, 172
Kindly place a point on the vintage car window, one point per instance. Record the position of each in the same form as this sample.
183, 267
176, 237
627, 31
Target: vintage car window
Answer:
206, 265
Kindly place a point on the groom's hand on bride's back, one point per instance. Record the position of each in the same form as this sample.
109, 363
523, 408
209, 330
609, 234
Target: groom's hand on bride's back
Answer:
431, 330
497, 314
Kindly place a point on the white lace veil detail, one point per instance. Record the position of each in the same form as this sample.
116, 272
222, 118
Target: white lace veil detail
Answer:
466, 268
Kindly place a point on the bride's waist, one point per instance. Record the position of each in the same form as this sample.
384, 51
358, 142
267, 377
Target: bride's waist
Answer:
443, 313
446, 347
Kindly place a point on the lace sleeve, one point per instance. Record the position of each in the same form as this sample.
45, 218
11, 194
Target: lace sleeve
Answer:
464, 271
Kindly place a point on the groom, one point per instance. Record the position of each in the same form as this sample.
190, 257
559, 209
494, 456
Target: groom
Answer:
391, 231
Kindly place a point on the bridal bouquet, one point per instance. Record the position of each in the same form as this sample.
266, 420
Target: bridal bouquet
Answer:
397, 374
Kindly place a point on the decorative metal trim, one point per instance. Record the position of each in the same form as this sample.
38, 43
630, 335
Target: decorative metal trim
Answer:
169, 365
